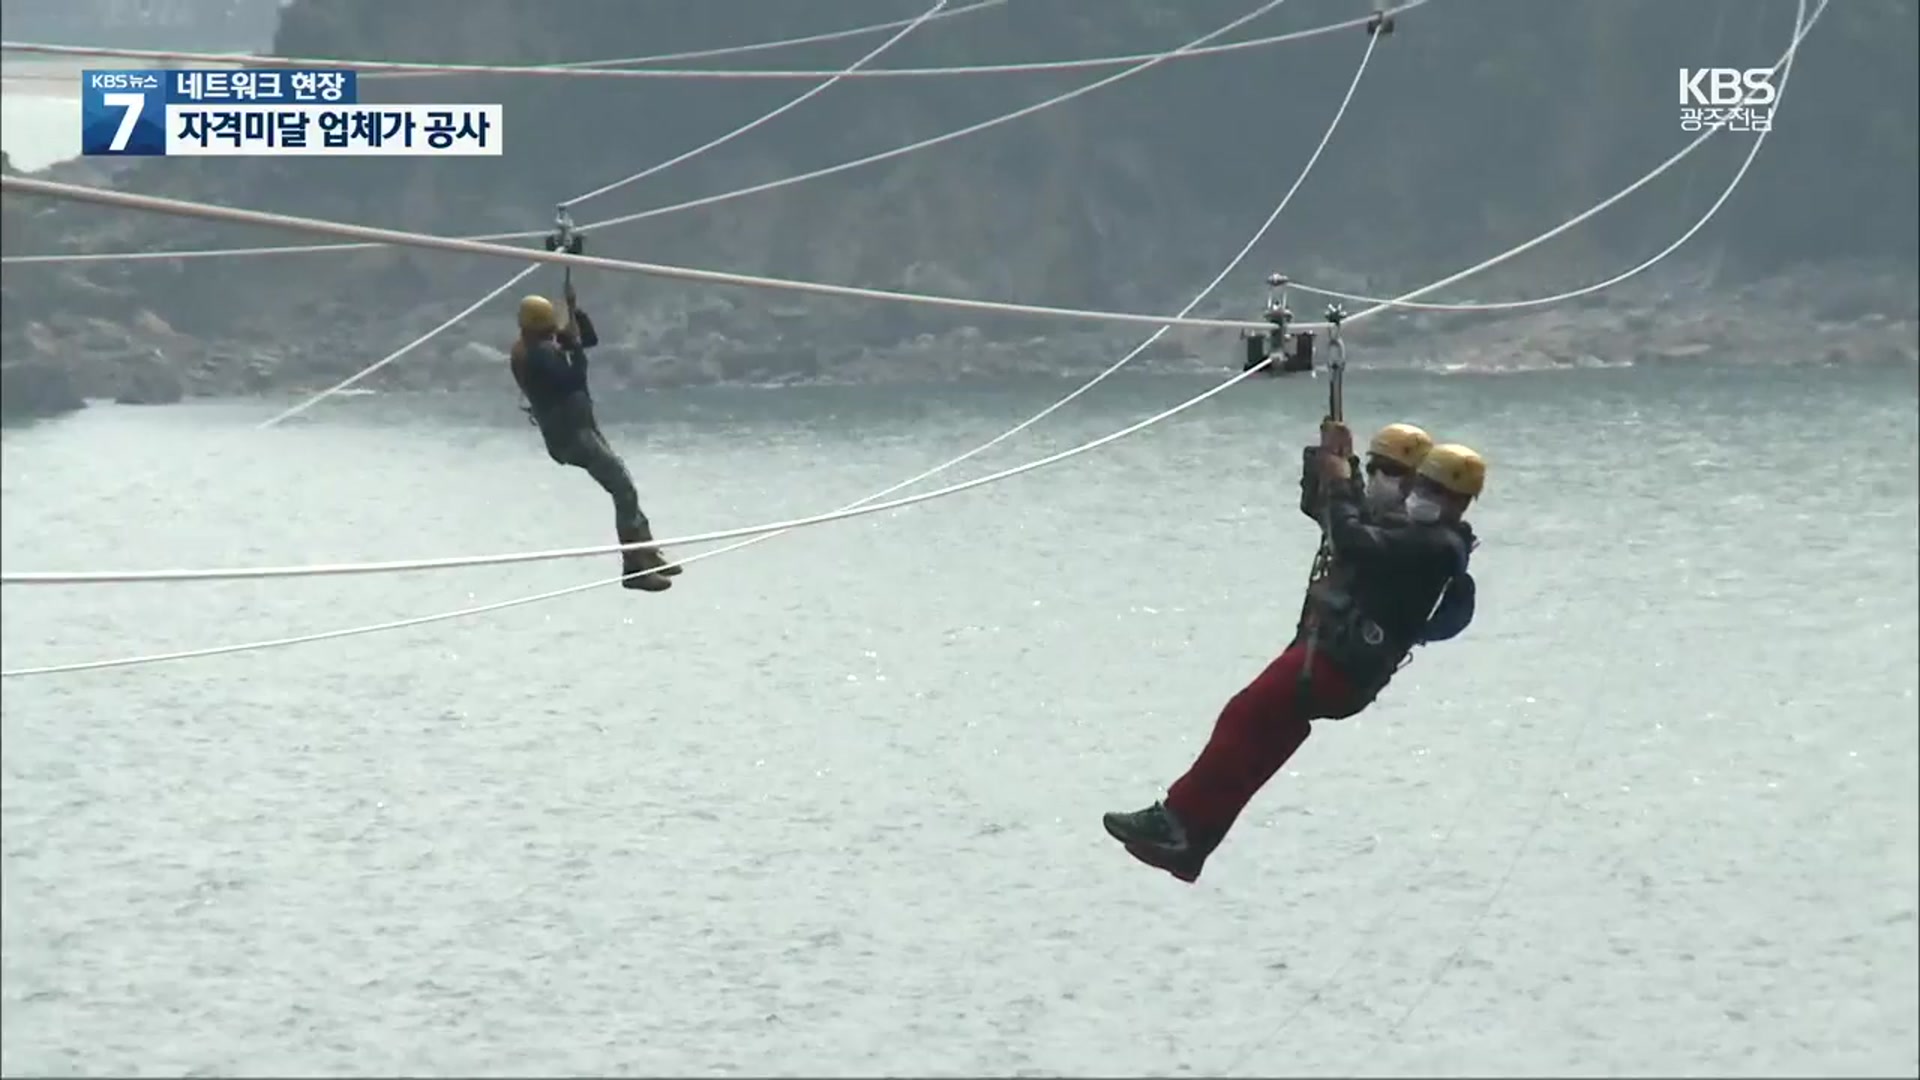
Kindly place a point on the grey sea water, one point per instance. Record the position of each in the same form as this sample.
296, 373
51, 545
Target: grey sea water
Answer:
831, 805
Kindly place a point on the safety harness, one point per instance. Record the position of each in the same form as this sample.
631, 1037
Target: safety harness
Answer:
1335, 625
564, 237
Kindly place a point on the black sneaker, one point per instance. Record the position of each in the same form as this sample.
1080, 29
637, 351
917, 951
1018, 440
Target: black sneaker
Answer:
1155, 837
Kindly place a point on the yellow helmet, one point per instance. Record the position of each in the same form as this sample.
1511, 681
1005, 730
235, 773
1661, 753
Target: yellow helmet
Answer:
1402, 443
537, 315
1456, 468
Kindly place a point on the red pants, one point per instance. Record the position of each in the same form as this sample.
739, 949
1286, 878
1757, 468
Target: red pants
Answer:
1258, 730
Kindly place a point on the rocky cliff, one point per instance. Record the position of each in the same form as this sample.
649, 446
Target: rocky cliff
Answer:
1480, 124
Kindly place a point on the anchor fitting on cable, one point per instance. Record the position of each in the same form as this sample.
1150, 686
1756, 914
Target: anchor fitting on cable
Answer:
1336, 314
1284, 351
563, 237
1379, 23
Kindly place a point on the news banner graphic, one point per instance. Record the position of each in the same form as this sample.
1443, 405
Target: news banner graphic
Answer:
271, 112
1738, 99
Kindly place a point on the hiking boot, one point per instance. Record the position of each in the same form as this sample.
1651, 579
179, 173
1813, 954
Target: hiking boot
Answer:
1156, 837
667, 569
640, 567
656, 558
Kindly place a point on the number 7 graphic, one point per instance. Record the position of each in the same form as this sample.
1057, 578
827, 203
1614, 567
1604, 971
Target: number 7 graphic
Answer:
133, 103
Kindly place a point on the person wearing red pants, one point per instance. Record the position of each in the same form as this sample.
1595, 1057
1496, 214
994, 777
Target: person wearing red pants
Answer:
1390, 575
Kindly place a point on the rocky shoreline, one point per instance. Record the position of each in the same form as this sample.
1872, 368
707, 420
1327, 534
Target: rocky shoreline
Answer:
55, 363
1125, 200
157, 333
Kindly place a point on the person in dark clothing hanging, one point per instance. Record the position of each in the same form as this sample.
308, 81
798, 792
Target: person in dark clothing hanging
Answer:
1390, 575
1393, 454
550, 364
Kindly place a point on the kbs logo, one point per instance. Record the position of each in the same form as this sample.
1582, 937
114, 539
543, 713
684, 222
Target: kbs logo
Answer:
1738, 99
1726, 86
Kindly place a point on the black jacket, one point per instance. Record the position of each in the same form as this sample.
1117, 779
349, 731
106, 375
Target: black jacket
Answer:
1392, 569
550, 371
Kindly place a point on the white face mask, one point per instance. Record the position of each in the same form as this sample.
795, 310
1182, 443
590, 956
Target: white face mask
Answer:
1423, 509
1383, 492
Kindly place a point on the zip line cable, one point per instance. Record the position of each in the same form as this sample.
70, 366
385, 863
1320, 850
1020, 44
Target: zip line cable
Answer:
723, 50
1802, 26
358, 376
1232, 265
753, 189
1753, 152
607, 69
417, 71
831, 81
1495, 260
1545, 811
777, 527
128, 200
1677, 157
145, 202
712, 144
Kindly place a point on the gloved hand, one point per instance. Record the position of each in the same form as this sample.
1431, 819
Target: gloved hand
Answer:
1336, 439
1334, 469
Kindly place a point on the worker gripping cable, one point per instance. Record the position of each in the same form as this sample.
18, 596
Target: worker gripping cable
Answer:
550, 365
1391, 574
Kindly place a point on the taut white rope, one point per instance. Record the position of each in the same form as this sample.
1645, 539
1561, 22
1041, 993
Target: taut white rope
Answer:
855, 510
711, 144
1133, 354
1753, 152
1357, 1068
832, 80
1802, 25
487, 560
451, 562
432, 70
1678, 156
611, 69
355, 378
723, 50
350, 568
296, 409
426, 564
724, 196
32, 186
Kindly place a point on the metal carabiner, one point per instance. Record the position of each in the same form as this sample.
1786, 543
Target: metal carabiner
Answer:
1336, 364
